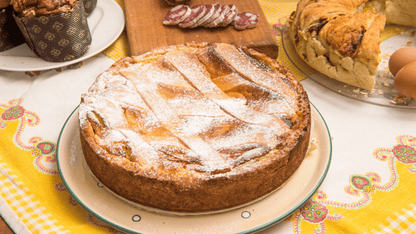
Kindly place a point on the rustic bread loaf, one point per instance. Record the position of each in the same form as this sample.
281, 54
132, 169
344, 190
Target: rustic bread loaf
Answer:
341, 38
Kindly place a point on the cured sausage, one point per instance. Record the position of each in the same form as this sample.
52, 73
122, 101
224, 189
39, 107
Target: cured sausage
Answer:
208, 13
229, 17
216, 14
196, 13
245, 20
225, 9
176, 15
210, 16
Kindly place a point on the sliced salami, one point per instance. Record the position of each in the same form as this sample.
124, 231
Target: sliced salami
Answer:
230, 16
176, 15
254, 20
215, 15
225, 10
208, 13
246, 20
233, 7
203, 12
196, 13
216, 22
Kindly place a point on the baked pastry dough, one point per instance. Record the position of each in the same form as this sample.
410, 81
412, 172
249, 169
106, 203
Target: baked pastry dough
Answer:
194, 128
341, 38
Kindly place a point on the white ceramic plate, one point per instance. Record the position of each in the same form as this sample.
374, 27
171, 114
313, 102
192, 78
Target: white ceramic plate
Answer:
106, 24
253, 217
383, 94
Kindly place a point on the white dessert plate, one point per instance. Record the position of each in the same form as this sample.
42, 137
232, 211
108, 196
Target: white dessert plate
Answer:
383, 94
106, 24
257, 216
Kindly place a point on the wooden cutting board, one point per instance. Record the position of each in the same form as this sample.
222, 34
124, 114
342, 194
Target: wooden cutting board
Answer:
145, 29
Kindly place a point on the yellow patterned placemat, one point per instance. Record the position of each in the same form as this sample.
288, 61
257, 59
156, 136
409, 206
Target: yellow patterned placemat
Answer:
29, 179
381, 204
403, 221
31, 188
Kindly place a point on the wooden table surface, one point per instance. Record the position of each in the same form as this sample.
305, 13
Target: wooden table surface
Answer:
146, 31
4, 228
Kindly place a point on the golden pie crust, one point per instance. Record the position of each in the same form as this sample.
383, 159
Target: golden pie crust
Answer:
195, 127
341, 38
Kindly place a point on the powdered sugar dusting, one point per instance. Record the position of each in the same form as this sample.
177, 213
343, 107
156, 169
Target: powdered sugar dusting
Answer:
198, 77
169, 119
231, 55
171, 110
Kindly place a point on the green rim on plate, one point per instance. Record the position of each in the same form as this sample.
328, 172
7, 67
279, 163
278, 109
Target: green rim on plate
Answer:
63, 147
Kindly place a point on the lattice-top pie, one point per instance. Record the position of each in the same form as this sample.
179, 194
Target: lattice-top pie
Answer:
196, 127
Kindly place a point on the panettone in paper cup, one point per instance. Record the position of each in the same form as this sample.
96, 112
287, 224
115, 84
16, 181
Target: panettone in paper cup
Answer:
10, 35
89, 6
54, 34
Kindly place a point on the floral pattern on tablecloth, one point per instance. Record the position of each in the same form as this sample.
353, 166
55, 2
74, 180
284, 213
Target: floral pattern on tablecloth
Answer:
42, 203
30, 184
323, 215
318, 215
43, 151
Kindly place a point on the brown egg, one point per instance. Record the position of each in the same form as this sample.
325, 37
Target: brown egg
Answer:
405, 80
401, 58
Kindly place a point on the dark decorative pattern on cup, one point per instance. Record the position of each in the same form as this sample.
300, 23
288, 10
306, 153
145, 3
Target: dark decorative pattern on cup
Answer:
60, 37
89, 6
10, 35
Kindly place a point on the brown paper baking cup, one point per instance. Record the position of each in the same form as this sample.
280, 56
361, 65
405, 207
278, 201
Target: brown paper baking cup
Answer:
57, 38
10, 35
89, 6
